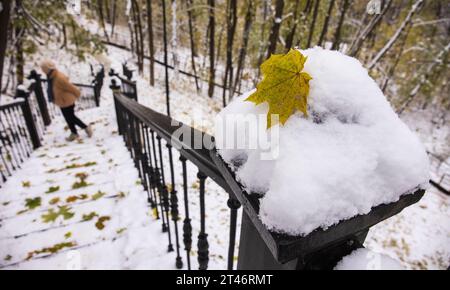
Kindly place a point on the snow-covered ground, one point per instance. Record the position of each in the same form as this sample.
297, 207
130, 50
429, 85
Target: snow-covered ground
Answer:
110, 196
419, 237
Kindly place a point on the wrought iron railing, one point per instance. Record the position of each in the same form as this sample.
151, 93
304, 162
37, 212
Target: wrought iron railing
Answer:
147, 132
18, 136
23, 123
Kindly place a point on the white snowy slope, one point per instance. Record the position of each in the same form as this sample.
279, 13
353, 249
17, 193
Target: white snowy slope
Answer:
142, 248
351, 154
131, 237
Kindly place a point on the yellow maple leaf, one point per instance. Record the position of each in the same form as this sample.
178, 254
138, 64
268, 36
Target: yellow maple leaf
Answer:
284, 86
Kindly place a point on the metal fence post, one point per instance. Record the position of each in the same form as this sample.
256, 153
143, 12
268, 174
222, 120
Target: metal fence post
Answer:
97, 90
135, 95
28, 116
255, 255
253, 252
116, 89
42, 103
127, 72
98, 85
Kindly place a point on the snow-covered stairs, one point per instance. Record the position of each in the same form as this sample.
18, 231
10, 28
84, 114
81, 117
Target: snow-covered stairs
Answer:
80, 205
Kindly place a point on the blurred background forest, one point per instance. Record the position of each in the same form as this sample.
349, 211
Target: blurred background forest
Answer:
220, 44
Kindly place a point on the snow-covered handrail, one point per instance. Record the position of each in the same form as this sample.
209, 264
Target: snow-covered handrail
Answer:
144, 129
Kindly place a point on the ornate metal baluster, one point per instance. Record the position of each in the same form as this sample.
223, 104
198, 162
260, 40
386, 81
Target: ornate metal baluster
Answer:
152, 180
143, 161
165, 194
158, 180
22, 146
128, 130
3, 139
187, 227
146, 167
140, 152
234, 205
3, 136
134, 145
203, 246
3, 168
24, 132
174, 208
15, 160
125, 125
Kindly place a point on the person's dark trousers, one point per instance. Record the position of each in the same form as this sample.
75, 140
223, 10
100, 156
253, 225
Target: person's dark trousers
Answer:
72, 120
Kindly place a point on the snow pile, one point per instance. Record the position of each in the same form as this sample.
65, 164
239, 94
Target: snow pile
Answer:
364, 259
351, 154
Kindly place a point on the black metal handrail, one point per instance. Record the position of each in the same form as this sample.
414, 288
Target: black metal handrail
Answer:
88, 98
260, 248
18, 137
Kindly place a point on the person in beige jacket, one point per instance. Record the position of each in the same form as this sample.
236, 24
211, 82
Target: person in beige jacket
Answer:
64, 94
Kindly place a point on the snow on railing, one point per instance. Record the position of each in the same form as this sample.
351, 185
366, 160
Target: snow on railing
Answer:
145, 133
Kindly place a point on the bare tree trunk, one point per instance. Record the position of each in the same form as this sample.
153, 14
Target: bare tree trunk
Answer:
130, 27
416, 7
337, 35
19, 44
166, 57
138, 35
243, 50
151, 46
323, 34
262, 42
290, 37
273, 38
108, 11
219, 44
362, 36
5, 15
425, 77
192, 41
102, 18
141, 38
397, 60
64, 32
313, 23
174, 39
231, 30
113, 20
75, 35
130, 23
212, 29
135, 31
